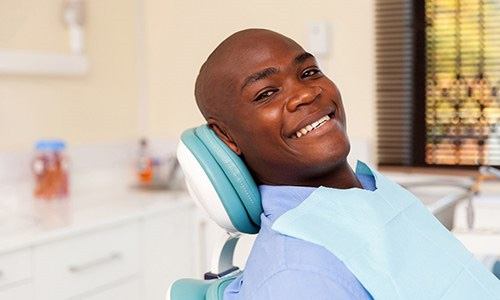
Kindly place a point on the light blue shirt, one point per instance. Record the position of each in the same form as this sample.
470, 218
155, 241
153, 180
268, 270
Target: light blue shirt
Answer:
283, 267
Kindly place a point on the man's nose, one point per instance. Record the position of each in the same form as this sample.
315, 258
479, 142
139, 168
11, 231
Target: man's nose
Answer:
303, 96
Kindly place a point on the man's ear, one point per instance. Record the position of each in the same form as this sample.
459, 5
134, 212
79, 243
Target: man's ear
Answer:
224, 136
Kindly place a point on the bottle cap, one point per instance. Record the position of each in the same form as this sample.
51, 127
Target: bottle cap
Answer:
50, 145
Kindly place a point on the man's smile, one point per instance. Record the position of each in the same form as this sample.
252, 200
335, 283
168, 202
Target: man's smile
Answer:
316, 124
311, 123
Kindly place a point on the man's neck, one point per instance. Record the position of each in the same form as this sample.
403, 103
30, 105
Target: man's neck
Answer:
340, 177
343, 177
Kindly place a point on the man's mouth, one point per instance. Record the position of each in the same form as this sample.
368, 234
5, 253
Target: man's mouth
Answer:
310, 127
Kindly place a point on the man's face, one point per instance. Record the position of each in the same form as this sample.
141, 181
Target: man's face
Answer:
286, 116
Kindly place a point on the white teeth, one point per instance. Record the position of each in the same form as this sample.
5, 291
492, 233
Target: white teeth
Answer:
312, 126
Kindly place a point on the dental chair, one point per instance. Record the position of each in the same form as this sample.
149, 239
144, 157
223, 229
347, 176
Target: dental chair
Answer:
218, 180
221, 184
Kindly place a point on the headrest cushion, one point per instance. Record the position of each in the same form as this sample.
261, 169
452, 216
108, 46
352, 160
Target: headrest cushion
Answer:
227, 173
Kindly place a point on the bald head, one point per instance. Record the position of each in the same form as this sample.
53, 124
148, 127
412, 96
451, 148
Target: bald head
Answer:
217, 81
261, 94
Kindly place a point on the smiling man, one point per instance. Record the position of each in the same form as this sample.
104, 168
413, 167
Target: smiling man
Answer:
326, 232
267, 99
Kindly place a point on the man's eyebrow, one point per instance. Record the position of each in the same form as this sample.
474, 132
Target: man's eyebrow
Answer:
271, 71
303, 57
259, 76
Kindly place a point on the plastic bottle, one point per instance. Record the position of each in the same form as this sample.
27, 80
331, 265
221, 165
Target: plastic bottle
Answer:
50, 170
144, 163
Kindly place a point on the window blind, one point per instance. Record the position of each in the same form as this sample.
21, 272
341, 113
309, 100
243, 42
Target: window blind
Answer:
394, 87
462, 82
438, 81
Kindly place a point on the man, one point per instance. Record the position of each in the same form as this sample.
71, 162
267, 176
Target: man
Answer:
267, 99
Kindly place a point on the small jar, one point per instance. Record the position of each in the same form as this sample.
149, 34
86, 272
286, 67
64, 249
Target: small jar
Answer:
50, 170
145, 163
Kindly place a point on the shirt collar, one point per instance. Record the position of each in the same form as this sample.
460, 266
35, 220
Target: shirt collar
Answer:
278, 199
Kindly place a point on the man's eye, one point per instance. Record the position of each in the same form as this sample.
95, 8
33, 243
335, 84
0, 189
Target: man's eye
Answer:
311, 72
265, 94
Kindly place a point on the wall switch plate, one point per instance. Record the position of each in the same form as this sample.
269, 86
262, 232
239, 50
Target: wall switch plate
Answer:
318, 36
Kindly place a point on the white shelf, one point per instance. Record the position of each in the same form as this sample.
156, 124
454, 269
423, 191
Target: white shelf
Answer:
19, 62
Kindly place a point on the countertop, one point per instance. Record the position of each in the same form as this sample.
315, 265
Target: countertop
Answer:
97, 200
107, 198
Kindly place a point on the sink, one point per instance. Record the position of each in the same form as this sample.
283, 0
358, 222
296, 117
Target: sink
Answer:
440, 194
441, 200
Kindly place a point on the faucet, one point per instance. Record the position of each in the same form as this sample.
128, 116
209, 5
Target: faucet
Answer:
484, 173
487, 170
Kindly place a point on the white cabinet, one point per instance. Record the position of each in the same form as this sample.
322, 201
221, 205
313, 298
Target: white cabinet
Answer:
129, 290
169, 249
15, 267
17, 292
123, 249
15, 275
73, 266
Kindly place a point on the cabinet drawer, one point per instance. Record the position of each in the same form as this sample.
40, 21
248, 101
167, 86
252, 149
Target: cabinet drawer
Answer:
72, 266
14, 267
123, 291
17, 292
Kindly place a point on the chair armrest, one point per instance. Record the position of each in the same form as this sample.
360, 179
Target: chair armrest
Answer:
188, 289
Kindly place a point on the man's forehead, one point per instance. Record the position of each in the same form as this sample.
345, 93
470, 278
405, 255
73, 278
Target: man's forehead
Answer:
247, 55
231, 63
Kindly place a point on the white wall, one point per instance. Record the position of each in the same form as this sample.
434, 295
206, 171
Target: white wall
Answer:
179, 35
96, 107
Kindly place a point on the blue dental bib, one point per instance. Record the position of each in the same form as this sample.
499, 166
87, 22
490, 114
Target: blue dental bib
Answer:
388, 239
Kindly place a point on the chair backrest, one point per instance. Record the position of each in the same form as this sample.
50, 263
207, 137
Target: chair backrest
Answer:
221, 184
219, 181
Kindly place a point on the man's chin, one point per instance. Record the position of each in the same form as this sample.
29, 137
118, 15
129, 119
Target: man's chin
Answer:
333, 146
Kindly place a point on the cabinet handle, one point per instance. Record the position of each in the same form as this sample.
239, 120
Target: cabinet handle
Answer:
95, 263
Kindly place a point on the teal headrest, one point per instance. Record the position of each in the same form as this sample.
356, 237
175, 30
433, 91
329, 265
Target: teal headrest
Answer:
227, 173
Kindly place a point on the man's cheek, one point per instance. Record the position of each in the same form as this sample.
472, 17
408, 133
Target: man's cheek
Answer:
271, 115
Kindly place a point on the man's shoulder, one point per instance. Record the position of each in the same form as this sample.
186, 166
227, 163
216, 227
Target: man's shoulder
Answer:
273, 252
278, 259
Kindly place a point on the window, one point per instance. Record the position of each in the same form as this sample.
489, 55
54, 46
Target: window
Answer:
438, 75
